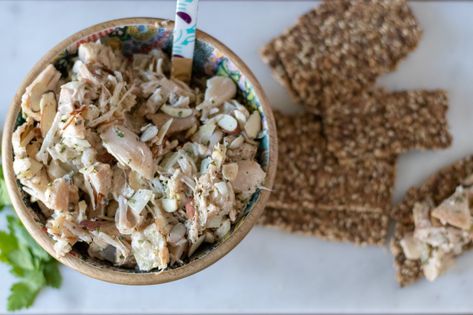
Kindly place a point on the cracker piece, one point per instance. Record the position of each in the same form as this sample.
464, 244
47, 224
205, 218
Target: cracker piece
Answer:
383, 125
339, 49
311, 178
271, 57
436, 188
365, 228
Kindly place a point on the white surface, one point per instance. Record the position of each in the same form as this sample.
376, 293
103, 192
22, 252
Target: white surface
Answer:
269, 271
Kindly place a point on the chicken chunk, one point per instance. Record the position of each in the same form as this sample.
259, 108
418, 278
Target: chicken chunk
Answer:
250, 175
46, 81
100, 177
455, 210
101, 54
126, 147
150, 248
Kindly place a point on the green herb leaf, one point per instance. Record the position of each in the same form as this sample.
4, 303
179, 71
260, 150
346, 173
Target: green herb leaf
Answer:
28, 262
4, 199
21, 296
22, 259
24, 239
35, 278
52, 275
8, 244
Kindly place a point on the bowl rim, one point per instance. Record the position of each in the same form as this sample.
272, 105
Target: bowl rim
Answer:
103, 272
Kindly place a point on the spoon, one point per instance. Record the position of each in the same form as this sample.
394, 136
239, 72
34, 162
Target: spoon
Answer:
184, 39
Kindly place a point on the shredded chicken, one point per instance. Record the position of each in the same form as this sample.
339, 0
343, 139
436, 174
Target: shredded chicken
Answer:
142, 168
441, 232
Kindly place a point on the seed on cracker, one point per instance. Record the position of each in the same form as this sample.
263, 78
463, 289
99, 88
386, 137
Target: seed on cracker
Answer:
382, 124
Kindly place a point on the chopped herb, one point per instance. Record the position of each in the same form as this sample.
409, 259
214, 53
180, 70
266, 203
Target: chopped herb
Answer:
119, 133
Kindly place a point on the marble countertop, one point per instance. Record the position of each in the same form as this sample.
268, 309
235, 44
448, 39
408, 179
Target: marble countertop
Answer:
270, 271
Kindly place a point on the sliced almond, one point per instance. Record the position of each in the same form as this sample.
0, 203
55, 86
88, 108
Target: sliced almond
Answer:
196, 245
240, 117
204, 133
230, 171
163, 131
222, 188
242, 109
190, 132
48, 108
149, 133
228, 123
253, 125
176, 112
223, 230
235, 144
177, 233
214, 110
169, 204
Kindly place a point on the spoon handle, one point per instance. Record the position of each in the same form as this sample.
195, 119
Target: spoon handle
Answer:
184, 39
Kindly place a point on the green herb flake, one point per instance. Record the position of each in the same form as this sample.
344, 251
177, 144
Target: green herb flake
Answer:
119, 133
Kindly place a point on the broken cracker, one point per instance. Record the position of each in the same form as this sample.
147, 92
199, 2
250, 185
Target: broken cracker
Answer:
436, 188
382, 124
340, 48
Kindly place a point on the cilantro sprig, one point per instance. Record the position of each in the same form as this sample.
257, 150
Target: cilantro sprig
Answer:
28, 262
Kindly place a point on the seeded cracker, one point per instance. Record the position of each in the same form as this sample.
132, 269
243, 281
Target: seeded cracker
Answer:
310, 182
270, 56
311, 178
437, 188
367, 228
341, 47
382, 124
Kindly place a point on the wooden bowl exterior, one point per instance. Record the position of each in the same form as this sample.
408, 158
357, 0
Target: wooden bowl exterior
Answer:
104, 272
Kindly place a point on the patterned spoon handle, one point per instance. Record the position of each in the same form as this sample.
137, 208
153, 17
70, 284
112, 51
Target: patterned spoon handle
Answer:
184, 39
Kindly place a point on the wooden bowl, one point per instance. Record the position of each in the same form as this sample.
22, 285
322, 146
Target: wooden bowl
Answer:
211, 57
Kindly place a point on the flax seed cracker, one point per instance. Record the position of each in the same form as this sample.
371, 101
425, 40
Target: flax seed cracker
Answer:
340, 48
367, 228
382, 124
309, 177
